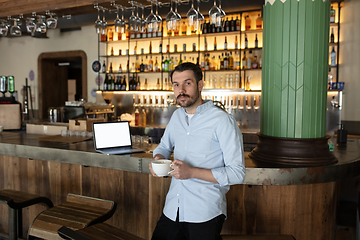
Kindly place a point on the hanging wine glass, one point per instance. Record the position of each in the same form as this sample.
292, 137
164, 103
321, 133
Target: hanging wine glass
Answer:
221, 18
117, 21
123, 21
52, 20
104, 23
40, 25
171, 19
3, 27
214, 12
158, 18
192, 16
98, 22
15, 30
142, 21
30, 23
178, 16
138, 19
151, 21
200, 18
132, 20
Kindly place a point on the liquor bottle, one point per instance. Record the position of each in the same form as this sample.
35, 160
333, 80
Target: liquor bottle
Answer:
205, 28
145, 84
127, 35
212, 64
205, 44
127, 66
256, 41
225, 43
333, 57
246, 41
144, 34
237, 61
222, 62
112, 83
166, 65
215, 45
110, 68
226, 62
3, 85
158, 84
236, 43
206, 62
111, 35
143, 117
132, 35
151, 65
150, 48
247, 84
237, 23
255, 63
332, 15
194, 47
183, 28
175, 63
160, 47
227, 25
137, 117
167, 48
175, 48
249, 60
184, 47
142, 66
120, 69
171, 64
146, 64
259, 22
202, 63
330, 80
231, 61
247, 23
105, 87
138, 84
104, 67
123, 84
332, 37
137, 64
156, 66
163, 64
116, 83
112, 51
180, 61
213, 28
232, 24
135, 48
244, 61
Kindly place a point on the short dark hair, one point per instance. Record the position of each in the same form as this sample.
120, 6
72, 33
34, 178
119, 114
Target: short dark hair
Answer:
188, 66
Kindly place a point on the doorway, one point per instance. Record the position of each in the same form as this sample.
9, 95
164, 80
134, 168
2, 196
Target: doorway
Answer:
55, 69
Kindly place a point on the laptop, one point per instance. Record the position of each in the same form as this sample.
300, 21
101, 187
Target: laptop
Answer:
113, 138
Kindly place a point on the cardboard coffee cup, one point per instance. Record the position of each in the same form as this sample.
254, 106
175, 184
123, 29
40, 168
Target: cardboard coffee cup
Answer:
161, 167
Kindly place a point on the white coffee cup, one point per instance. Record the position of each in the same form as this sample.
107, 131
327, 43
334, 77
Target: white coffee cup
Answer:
161, 167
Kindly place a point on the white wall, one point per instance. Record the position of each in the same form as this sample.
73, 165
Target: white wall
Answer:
349, 70
18, 56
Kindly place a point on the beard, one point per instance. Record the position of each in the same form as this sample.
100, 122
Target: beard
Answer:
190, 101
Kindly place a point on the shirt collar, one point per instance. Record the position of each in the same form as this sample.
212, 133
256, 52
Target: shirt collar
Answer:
202, 108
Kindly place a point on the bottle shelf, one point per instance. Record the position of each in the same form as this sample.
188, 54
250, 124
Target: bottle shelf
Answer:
333, 44
220, 34
335, 24
252, 31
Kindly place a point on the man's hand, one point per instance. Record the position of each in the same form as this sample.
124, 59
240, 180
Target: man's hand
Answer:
181, 170
157, 157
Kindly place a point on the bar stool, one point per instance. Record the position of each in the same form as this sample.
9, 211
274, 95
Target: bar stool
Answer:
16, 201
76, 212
257, 237
97, 232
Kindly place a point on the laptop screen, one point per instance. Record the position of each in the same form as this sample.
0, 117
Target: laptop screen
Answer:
111, 134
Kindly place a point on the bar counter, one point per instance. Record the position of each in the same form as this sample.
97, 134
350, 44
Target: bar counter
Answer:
83, 153
296, 201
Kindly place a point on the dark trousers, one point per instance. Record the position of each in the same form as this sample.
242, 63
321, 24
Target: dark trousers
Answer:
167, 229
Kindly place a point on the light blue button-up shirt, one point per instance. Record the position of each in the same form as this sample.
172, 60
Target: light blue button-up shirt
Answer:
212, 140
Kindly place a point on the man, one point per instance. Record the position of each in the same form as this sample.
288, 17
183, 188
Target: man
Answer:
208, 158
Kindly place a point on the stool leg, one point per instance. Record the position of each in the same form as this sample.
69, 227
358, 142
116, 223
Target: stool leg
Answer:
19, 223
13, 215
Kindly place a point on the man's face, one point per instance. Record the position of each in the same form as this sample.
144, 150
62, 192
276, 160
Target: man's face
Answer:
186, 90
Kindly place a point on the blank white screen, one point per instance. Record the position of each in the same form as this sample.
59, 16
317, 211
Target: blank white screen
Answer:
115, 134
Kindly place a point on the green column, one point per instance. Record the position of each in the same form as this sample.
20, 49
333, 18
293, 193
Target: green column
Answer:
295, 66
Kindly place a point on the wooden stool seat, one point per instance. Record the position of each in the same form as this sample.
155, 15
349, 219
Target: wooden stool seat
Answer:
100, 231
257, 237
17, 200
76, 213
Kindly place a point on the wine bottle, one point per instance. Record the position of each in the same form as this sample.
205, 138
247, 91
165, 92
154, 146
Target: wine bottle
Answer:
156, 66
332, 15
112, 51
110, 68
232, 24
151, 65
237, 23
256, 41
246, 41
105, 88
333, 57
227, 25
215, 45
104, 67
332, 37
225, 43
244, 61
150, 48
236, 42
142, 66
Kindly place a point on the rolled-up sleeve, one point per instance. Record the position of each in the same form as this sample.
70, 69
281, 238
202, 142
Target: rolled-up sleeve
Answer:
231, 144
